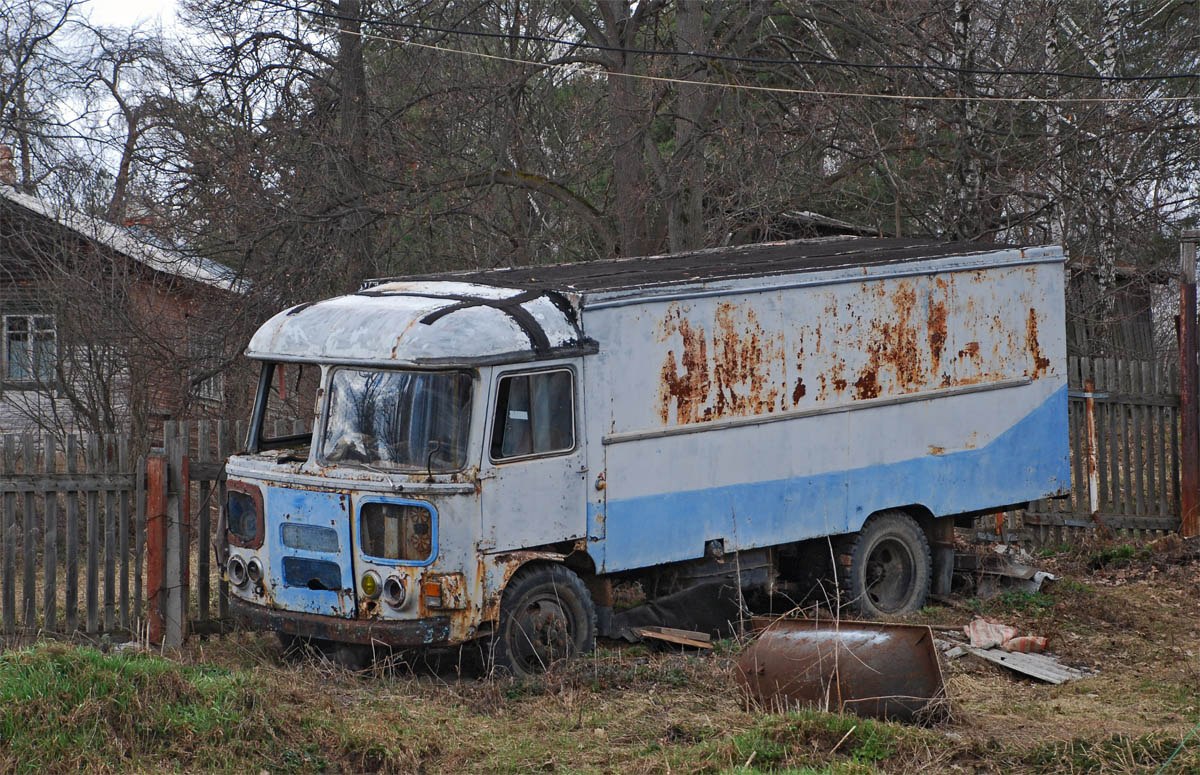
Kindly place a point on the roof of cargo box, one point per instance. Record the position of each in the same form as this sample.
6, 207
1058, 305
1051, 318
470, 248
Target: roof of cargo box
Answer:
742, 261
533, 313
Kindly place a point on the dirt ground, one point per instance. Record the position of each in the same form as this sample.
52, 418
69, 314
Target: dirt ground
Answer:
1129, 614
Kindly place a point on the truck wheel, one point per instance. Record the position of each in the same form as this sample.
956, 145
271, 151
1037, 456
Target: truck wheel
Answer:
890, 566
546, 614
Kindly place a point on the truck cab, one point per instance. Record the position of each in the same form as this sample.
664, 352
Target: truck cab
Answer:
424, 405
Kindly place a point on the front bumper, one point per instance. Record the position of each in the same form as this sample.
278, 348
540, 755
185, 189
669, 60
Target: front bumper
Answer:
433, 631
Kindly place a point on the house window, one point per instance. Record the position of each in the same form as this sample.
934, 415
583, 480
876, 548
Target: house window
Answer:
30, 348
212, 388
205, 357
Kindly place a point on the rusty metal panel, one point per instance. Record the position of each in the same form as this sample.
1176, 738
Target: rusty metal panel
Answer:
870, 668
759, 415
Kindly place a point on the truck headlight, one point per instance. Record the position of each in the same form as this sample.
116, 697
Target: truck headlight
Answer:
369, 584
244, 514
394, 593
237, 571
254, 570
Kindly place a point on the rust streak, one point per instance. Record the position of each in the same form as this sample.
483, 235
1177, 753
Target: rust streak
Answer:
937, 332
1041, 364
688, 391
893, 344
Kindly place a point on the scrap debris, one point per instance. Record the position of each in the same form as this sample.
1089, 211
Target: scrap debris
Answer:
1005, 567
1001, 644
698, 640
986, 634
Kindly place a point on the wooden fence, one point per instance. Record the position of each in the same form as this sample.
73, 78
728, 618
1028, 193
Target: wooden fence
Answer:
73, 512
71, 531
1133, 438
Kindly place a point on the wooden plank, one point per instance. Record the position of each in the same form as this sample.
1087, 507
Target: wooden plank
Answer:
92, 582
1076, 414
1126, 441
1105, 419
697, 640
39, 483
1039, 666
110, 540
72, 553
1138, 449
204, 537
224, 449
28, 537
1161, 434
123, 534
50, 540
139, 537
10, 538
1154, 439
1113, 521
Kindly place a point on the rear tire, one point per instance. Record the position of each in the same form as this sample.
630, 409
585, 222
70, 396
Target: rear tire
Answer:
890, 566
546, 615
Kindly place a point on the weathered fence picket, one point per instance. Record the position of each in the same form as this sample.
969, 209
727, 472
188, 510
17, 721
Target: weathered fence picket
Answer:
1136, 420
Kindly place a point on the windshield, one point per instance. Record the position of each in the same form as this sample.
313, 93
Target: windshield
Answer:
410, 420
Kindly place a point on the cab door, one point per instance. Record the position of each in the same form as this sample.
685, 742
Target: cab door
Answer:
534, 467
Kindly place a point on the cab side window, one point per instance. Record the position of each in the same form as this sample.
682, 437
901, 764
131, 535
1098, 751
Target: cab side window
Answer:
535, 415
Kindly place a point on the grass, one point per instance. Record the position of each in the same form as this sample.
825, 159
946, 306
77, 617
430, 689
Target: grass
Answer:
234, 704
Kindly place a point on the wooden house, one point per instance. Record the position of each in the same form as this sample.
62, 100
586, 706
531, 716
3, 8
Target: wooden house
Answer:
102, 328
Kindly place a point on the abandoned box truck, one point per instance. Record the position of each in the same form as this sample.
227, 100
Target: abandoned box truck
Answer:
491, 451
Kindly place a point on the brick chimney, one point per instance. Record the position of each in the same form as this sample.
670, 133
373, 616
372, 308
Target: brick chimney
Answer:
8, 170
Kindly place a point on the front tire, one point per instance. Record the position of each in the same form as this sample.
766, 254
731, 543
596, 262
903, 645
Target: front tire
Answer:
890, 566
546, 615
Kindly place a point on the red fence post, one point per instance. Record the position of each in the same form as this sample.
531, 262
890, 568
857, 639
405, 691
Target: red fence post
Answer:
1189, 417
156, 542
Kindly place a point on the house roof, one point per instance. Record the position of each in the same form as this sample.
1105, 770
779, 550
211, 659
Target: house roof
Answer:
140, 248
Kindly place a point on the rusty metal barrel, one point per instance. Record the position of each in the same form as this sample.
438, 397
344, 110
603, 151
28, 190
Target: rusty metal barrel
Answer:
874, 669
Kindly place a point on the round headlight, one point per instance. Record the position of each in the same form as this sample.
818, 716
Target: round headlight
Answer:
254, 570
369, 584
393, 591
237, 571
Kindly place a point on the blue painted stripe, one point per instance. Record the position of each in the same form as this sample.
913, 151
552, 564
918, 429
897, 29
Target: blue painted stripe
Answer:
1030, 460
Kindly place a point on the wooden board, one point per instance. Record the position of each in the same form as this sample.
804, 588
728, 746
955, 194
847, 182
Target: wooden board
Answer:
1039, 666
699, 640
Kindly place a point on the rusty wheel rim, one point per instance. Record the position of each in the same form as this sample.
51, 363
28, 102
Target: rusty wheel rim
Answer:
890, 571
542, 633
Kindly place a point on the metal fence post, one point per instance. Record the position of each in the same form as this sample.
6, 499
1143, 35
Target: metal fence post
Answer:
1189, 453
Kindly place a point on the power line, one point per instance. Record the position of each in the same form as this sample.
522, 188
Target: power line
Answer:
773, 89
717, 57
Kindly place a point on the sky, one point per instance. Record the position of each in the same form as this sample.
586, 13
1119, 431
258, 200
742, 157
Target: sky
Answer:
127, 13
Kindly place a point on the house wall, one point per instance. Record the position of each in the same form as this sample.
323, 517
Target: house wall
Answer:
107, 306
